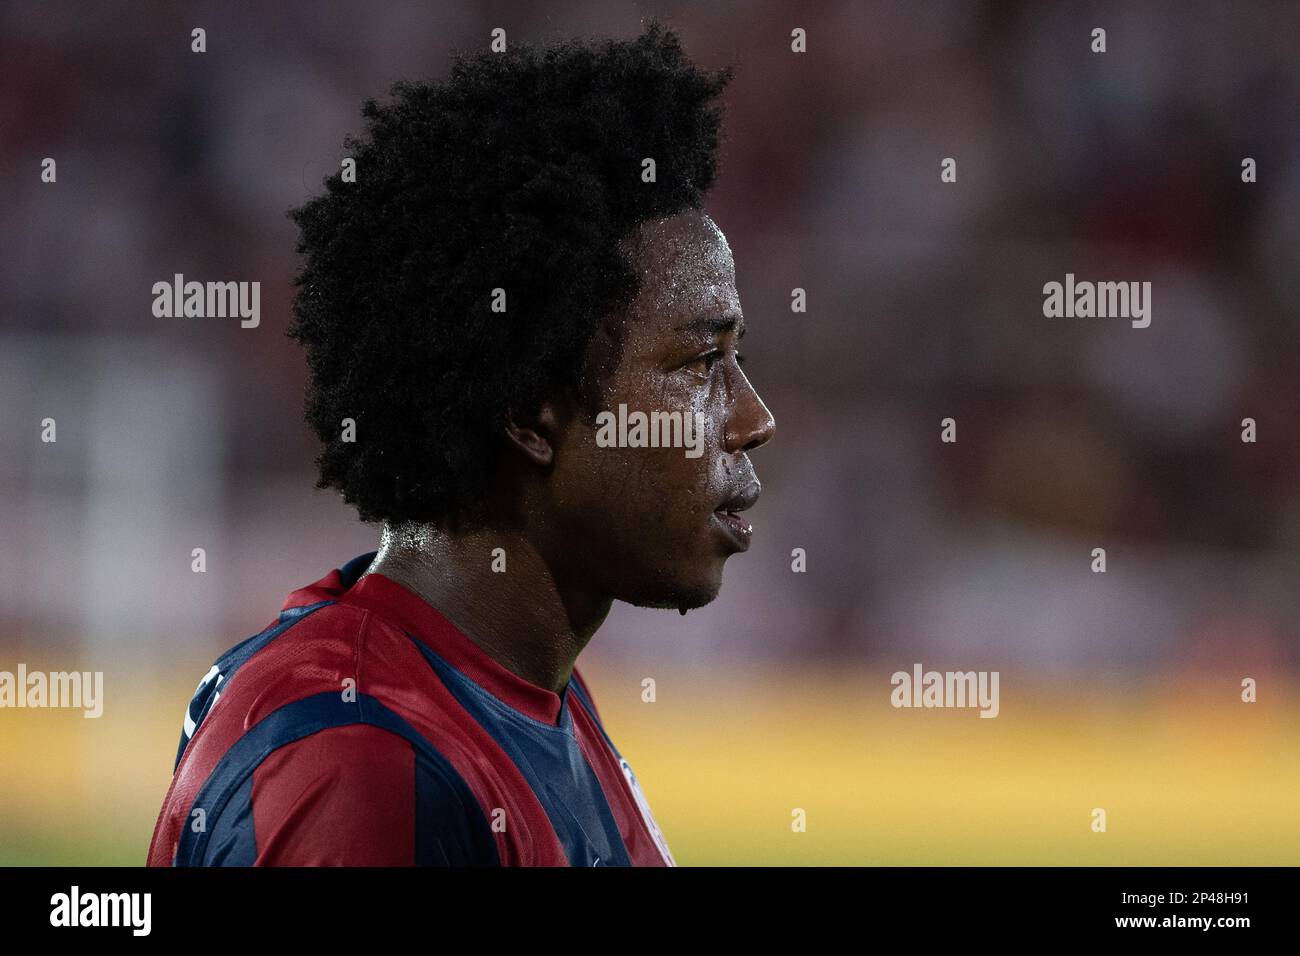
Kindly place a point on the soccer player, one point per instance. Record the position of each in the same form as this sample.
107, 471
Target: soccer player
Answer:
499, 279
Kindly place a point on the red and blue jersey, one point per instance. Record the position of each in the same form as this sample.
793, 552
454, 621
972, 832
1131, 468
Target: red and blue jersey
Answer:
362, 728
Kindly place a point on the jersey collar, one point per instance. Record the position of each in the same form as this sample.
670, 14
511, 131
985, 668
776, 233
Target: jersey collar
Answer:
406, 609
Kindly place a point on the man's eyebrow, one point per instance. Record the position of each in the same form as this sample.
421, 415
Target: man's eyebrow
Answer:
718, 325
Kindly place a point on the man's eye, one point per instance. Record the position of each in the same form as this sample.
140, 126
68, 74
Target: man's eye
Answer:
702, 364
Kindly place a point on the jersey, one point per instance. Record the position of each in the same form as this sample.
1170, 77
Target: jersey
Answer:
362, 728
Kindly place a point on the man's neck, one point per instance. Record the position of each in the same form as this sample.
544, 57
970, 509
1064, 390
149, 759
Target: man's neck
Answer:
522, 617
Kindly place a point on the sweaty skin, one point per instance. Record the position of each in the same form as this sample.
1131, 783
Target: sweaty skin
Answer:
582, 525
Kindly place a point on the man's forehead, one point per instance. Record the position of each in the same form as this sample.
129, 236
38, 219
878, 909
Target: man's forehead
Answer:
686, 266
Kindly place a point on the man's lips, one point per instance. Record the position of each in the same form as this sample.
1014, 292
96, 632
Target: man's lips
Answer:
728, 513
742, 528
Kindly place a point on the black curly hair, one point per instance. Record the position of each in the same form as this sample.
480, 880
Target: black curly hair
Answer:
522, 171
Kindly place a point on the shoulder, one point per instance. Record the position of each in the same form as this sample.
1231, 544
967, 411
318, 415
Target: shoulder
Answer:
350, 794
288, 762
310, 649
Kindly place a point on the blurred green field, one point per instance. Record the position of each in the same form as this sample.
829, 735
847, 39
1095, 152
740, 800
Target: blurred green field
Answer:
1186, 772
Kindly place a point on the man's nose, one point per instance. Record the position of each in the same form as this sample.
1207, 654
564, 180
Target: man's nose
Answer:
750, 423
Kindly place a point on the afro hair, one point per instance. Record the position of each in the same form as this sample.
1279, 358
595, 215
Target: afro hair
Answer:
521, 172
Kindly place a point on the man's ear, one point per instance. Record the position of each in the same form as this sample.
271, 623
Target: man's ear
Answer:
538, 435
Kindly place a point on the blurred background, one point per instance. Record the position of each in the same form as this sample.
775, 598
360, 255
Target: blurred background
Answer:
1118, 690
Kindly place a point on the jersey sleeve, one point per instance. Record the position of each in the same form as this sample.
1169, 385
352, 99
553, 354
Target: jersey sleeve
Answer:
341, 797
352, 795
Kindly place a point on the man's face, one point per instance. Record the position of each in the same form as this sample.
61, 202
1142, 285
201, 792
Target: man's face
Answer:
650, 525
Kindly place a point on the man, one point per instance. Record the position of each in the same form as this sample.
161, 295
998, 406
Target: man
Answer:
500, 278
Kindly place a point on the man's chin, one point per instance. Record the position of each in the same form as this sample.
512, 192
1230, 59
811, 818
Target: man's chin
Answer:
680, 598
